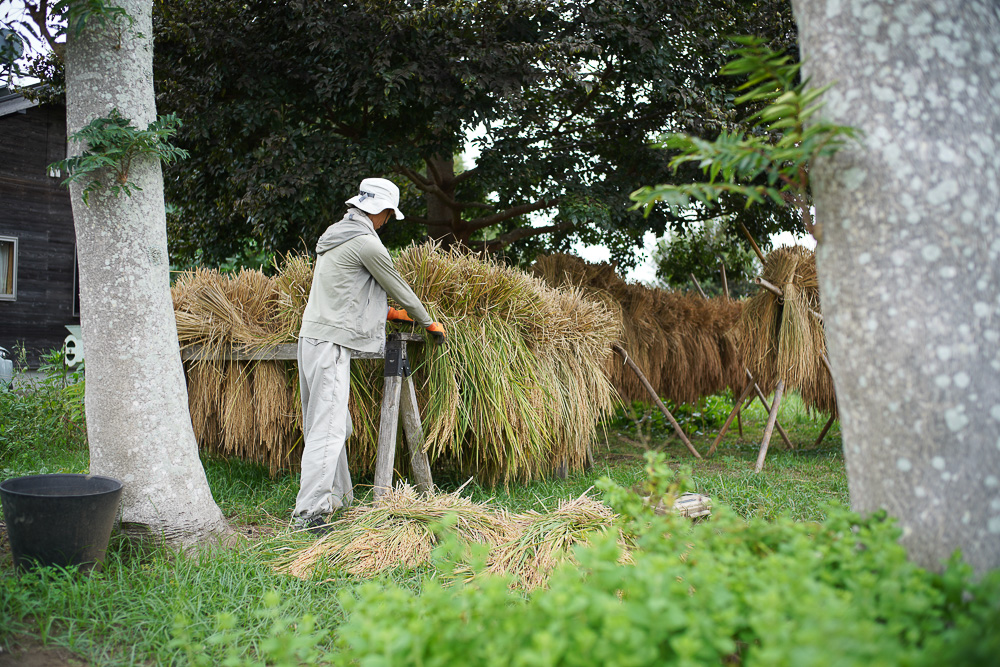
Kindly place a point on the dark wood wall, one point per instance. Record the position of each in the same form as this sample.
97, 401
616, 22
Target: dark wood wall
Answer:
35, 208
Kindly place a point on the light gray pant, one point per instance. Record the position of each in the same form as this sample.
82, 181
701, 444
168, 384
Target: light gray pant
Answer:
325, 381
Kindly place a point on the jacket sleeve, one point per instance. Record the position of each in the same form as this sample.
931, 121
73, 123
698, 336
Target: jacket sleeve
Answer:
378, 262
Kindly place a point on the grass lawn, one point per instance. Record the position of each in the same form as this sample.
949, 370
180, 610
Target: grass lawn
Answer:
155, 607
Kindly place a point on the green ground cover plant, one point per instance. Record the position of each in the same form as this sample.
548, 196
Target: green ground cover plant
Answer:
781, 574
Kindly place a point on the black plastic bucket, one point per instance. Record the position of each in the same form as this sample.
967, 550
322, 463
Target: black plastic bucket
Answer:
60, 519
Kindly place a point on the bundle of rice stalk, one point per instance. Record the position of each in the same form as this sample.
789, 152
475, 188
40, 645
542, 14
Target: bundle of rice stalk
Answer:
276, 409
541, 541
521, 385
682, 342
519, 389
399, 530
779, 338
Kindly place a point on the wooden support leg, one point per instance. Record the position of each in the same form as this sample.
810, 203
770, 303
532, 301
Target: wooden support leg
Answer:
413, 432
772, 417
385, 457
739, 422
732, 415
826, 428
777, 424
652, 392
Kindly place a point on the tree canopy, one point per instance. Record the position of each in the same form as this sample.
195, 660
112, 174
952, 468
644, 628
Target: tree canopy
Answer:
287, 105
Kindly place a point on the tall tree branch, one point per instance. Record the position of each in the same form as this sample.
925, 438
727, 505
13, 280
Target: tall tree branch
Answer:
39, 13
513, 212
524, 233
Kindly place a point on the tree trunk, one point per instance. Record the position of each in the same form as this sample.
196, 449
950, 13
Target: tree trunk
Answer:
908, 261
442, 221
138, 422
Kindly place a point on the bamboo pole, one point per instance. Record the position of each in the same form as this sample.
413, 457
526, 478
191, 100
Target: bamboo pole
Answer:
725, 283
698, 285
753, 243
771, 419
652, 392
826, 428
777, 424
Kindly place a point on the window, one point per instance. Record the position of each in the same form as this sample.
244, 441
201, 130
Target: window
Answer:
8, 268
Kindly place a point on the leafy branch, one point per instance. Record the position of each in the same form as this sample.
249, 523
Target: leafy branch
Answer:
771, 163
113, 144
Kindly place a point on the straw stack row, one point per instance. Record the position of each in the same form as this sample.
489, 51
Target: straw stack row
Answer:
519, 388
684, 343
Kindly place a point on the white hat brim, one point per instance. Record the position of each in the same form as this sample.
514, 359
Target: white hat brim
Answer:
373, 205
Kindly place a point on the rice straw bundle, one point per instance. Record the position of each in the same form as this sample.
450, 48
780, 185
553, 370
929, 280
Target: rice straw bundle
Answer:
542, 541
520, 387
397, 531
779, 338
684, 343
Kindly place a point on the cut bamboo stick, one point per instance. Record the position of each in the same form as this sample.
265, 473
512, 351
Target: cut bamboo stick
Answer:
649, 388
826, 428
771, 419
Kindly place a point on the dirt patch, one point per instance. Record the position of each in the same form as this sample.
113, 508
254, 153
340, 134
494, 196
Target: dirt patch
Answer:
27, 652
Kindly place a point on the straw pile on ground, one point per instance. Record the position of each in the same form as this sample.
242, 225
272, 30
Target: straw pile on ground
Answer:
519, 388
683, 342
779, 338
402, 529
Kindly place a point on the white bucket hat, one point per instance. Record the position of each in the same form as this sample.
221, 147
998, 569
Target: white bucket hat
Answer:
376, 195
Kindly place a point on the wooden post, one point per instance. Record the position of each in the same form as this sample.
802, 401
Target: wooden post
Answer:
652, 392
385, 456
772, 417
826, 428
413, 432
725, 283
732, 415
739, 422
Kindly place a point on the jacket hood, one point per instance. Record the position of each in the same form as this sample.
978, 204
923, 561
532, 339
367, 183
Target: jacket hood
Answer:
355, 223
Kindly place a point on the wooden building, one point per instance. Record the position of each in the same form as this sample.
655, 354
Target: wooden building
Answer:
38, 286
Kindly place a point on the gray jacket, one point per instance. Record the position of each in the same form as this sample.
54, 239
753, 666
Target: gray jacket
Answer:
347, 303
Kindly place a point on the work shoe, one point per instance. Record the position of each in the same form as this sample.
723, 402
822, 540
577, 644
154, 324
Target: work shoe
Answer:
317, 525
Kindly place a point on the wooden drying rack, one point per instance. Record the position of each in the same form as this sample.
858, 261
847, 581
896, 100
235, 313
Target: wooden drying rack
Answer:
399, 402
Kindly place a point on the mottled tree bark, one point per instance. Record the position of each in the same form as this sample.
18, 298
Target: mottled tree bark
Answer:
138, 422
908, 261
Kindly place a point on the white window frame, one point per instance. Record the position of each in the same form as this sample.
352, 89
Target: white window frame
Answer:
13, 295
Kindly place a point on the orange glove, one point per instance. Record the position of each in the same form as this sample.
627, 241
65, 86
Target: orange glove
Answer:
436, 330
398, 316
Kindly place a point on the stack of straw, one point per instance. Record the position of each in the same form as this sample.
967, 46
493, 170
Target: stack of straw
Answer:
244, 409
683, 342
780, 339
402, 529
519, 389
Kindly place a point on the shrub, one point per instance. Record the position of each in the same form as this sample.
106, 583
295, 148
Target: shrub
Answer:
839, 592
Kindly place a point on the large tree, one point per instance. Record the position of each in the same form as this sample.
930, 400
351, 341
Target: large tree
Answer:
908, 261
138, 425
287, 105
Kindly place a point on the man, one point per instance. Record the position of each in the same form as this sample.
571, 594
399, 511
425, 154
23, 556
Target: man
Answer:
346, 312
